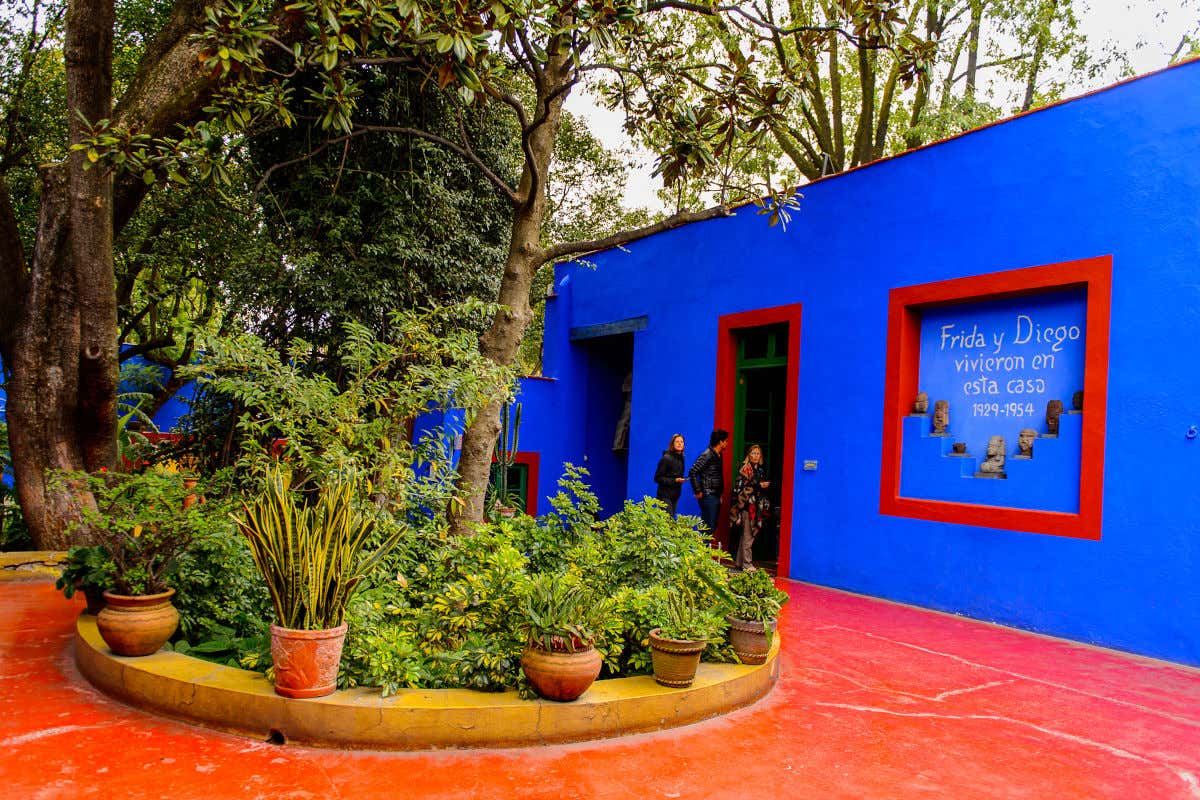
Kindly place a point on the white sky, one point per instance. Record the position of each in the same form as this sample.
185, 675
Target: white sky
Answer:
1146, 31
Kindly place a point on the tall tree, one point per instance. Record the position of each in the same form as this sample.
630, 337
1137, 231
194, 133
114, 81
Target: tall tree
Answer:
58, 300
244, 72
826, 105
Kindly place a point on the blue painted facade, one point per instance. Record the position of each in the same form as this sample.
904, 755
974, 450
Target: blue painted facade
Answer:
1113, 173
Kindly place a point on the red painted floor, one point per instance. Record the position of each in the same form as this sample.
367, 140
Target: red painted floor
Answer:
876, 701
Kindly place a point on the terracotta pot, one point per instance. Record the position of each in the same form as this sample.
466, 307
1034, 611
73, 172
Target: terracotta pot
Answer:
559, 675
749, 639
675, 660
191, 499
137, 625
95, 599
306, 662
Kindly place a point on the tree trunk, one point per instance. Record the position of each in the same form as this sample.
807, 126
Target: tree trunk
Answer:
58, 332
503, 339
43, 409
973, 47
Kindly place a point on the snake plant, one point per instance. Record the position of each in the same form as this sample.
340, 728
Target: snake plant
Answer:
311, 557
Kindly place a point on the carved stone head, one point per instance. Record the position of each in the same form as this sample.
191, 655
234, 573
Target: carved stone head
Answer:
1025, 441
941, 416
921, 404
1077, 401
1054, 410
995, 455
959, 447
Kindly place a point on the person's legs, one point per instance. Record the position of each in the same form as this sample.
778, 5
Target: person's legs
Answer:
745, 559
710, 511
672, 503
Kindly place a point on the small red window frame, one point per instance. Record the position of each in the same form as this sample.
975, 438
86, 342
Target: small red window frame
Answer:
903, 365
532, 461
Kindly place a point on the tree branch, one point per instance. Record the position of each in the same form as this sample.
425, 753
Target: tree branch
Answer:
140, 349
559, 251
453, 147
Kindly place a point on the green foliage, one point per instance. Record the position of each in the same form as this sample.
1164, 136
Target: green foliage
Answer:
560, 613
754, 597
677, 616
311, 557
14, 534
140, 519
428, 360
445, 612
85, 567
219, 593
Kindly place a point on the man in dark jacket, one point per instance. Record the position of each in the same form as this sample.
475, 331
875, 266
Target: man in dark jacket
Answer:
708, 479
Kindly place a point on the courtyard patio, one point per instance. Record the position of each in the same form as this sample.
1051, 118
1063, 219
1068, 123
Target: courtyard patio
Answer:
876, 700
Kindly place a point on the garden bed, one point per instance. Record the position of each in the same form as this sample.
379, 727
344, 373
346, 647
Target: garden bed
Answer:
243, 702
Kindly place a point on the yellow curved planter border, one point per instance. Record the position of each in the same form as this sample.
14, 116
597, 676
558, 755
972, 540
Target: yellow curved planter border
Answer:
244, 702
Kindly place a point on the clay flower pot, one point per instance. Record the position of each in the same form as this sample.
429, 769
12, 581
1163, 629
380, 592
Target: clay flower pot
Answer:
192, 498
749, 639
559, 675
137, 625
675, 660
306, 662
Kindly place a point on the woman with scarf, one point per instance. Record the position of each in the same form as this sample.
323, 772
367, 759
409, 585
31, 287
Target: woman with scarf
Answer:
749, 504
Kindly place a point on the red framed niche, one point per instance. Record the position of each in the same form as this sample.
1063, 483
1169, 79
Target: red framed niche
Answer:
903, 365
532, 462
727, 327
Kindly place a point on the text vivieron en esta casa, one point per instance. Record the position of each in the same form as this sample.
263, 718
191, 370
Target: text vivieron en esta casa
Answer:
1006, 360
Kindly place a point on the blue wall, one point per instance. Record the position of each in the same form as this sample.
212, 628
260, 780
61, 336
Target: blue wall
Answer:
1117, 172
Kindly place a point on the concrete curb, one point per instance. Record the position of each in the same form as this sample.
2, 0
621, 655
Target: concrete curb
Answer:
243, 702
23, 565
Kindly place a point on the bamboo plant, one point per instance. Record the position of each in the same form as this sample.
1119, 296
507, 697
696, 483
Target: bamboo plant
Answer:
310, 557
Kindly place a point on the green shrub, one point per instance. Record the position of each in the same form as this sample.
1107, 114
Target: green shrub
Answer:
678, 617
219, 594
85, 567
558, 612
754, 597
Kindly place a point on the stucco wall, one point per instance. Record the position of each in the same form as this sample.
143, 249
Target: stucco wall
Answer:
1114, 173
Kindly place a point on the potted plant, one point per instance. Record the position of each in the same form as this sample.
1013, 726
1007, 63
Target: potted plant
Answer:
754, 604
140, 521
90, 569
560, 620
311, 557
683, 631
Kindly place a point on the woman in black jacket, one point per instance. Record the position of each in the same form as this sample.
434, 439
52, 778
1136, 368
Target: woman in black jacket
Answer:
669, 475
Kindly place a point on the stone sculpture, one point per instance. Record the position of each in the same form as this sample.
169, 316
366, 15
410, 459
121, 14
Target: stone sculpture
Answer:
1054, 410
960, 448
941, 417
1025, 443
1077, 401
994, 463
921, 404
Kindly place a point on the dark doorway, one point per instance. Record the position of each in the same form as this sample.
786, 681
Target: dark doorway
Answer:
760, 405
609, 401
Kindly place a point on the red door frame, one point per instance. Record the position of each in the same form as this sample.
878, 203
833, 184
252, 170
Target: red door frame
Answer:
727, 327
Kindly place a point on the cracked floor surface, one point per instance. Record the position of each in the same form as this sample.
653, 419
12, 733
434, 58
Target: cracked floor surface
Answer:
876, 700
